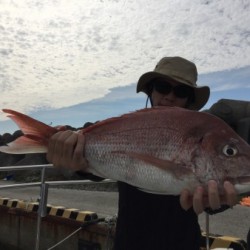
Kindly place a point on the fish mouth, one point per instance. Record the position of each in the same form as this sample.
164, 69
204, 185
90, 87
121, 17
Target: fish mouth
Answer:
242, 185
244, 180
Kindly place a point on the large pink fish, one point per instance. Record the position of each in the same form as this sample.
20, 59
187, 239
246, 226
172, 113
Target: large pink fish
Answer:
160, 150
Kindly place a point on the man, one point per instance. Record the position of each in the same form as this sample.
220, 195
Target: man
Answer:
148, 221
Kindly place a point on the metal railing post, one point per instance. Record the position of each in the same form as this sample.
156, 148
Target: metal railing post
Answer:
207, 232
42, 210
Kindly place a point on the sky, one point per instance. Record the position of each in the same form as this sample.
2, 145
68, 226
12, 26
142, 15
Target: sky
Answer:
69, 62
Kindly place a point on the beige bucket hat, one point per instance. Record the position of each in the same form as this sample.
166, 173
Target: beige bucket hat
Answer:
179, 70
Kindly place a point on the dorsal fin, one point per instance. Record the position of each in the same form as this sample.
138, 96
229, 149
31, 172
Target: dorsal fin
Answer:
125, 116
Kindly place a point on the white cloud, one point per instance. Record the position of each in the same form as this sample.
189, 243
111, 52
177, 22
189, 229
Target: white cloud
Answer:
60, 53
228, 86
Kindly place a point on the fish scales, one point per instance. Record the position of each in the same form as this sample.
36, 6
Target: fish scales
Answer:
157, 134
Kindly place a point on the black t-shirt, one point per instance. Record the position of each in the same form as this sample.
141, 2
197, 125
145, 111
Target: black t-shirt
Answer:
154, 222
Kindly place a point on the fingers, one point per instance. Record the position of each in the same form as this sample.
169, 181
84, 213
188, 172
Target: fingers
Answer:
213, 195
57, 149
79, 161
186, 199
212, 198
230, 194
198, 202
66, 149
216, 199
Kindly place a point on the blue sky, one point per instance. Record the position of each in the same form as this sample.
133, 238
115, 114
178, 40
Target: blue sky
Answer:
68, 62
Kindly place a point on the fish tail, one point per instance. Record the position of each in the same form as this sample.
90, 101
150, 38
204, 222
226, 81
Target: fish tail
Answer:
35, 135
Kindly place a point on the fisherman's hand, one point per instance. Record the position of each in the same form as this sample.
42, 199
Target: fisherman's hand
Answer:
66, 150
202, 199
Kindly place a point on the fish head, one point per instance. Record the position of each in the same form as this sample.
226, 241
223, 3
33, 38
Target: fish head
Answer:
224, 156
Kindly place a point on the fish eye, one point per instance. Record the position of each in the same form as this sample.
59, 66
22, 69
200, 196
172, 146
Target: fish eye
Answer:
230, 150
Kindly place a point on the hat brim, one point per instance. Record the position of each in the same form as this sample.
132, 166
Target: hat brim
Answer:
201, 93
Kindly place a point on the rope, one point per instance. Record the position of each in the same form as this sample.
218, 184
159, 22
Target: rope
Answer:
85, 224
60, 242
111, 222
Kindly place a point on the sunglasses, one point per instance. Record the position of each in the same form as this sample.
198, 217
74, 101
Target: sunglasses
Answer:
180, 91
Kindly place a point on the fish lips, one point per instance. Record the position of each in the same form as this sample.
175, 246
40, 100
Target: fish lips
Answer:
244, 180
241, 184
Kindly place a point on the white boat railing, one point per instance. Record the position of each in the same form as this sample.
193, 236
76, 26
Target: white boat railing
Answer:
44, 189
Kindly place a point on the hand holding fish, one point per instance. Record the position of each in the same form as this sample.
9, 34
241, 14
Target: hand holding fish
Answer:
65, 150
201, 200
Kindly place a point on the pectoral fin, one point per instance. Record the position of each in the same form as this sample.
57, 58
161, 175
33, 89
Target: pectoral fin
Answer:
176, 169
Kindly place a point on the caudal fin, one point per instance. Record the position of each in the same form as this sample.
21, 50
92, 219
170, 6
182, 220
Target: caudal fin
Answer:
35, 135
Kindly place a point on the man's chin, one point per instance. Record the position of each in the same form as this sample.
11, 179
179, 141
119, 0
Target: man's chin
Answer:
166, 104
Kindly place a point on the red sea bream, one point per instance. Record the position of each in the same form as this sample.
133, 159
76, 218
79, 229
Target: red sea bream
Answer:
159, 150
